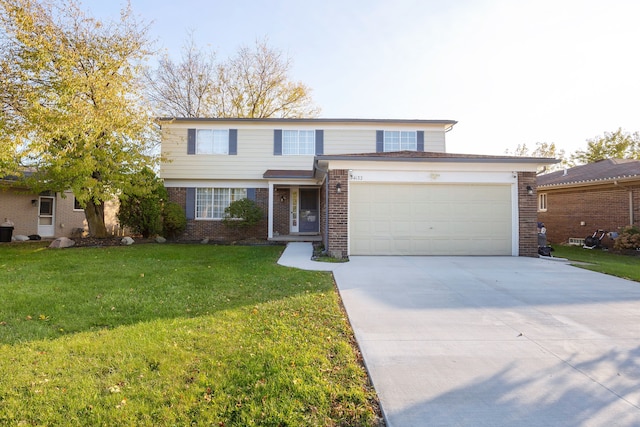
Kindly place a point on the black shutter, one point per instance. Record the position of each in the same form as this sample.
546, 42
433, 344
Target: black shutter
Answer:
251, 194
190, 210
277, 142
420, 140
319, 141
191, 141
379, 141
233, 142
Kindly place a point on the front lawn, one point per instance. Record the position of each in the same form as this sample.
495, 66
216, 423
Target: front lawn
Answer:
158, 335
625, 266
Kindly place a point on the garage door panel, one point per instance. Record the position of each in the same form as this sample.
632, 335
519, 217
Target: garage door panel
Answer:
427, 219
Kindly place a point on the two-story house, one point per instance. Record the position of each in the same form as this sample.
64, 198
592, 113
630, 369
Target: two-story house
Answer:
363, 187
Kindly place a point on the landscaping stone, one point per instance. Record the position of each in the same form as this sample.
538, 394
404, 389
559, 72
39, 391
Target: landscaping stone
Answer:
127, 241
160, 239
62, 242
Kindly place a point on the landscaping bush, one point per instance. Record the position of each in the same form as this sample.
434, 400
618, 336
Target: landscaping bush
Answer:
141, 204
629, 238
174, 220
242, 214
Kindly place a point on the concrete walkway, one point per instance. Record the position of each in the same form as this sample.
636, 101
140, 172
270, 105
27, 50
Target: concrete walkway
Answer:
494, 341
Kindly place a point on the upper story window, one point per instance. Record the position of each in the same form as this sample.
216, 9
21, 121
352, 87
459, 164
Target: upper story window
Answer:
396, 140
211, 202
542, 202
212, 141
298, 142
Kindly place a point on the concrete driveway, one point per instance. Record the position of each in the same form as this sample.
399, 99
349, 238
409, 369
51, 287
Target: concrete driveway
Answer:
495, 341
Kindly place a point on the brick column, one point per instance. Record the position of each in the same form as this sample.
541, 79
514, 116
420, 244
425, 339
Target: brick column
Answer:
528, 214
338, 212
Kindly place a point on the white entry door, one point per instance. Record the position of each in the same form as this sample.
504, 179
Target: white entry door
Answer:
46, 216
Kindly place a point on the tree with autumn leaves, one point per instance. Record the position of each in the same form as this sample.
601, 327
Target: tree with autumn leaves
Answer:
72, 106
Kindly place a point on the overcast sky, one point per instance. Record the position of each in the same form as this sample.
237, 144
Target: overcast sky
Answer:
509, 71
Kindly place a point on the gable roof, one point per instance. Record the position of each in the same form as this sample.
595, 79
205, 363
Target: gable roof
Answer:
599, 172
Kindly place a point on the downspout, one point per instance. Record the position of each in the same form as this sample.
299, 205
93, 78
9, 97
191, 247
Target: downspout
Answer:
325, 179
631, 219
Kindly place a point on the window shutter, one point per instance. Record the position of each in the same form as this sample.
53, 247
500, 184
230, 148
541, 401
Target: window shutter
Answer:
251, 194
191, 141
190, 210
233, 142
319, 141
379, 141
277, 142
420, 140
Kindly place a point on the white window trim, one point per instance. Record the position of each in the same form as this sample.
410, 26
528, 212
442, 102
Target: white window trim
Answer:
221, 151
387, 133
542, 202
287, 152
212, 205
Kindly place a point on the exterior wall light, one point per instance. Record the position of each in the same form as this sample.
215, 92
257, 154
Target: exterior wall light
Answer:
529, 190
338, 188
34, 202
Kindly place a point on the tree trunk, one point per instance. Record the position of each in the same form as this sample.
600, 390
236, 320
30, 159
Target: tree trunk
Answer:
95, 218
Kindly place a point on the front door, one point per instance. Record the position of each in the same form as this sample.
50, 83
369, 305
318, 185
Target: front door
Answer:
46, 217
309, 212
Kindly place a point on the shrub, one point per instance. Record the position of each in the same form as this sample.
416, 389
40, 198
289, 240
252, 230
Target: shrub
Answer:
141, 204
629, 238
242, 214
174, 220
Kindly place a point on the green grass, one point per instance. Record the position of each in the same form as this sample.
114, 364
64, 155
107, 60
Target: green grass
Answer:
625, 266
158, 335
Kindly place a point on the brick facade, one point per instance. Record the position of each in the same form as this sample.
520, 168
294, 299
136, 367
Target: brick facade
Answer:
604, 207
214, 229
527, 214
281, 212
338, 213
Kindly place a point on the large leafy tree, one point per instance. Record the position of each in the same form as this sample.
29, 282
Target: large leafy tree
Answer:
612, 145
255, 83
71, 104
542, 149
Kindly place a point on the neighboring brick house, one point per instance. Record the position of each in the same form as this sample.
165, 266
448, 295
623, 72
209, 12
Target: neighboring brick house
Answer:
603, 195
47, 214
361, 186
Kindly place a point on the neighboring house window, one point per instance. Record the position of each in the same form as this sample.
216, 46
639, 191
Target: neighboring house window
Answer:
211, 202
298, 142
542, 202
76, 205
212, 141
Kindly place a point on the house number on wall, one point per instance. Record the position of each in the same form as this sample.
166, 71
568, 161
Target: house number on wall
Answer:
357, 178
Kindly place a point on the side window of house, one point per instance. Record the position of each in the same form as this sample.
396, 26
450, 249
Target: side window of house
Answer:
298, 142
76, 204
211, 202
542, 202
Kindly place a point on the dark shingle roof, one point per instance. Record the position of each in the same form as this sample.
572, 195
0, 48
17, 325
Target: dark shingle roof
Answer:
290, 174
435, 156
603, 170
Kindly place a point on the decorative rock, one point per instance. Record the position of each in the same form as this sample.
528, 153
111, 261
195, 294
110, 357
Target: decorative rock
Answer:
205, 241
62, 242
127, 241
20, 238
160, 239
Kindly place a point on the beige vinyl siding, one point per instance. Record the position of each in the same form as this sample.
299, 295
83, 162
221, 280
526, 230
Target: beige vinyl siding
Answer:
255, 149
255, 156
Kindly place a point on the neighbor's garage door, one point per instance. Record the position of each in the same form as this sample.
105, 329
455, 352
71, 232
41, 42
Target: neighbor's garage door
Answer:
430, 219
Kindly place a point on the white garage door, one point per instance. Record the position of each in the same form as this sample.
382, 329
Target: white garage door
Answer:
430, 219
